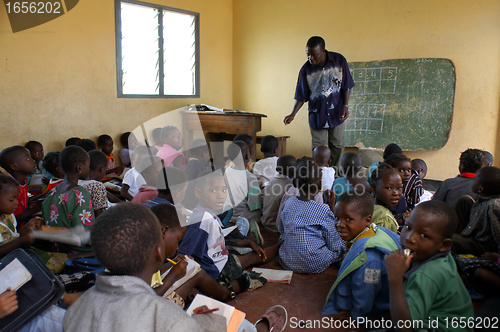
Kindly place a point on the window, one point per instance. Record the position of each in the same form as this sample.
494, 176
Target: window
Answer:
157, 51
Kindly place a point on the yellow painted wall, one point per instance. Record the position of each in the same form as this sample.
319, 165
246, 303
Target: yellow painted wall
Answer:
58, 80
269, 49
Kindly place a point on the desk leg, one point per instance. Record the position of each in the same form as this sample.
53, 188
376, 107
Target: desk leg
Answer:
217, 149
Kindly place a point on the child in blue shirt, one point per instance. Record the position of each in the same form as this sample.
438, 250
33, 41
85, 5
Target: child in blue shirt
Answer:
310, 241
361, 288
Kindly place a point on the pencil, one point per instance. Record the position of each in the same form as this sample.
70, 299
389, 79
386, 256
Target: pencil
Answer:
207, 311
171, 261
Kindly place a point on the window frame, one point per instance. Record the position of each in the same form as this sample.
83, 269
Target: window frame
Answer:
118, 45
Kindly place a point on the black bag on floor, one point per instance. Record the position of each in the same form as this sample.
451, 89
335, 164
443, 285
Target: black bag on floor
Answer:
36, 295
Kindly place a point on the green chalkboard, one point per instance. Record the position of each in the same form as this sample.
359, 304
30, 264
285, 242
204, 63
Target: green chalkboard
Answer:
405, 101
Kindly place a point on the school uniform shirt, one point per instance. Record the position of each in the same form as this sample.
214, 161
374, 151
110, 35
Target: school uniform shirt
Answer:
434, 290
362, 286
310, 241
125, 303
265, 170
382, 216
452, 189
134, 180
484, 224
204, 241
243, 195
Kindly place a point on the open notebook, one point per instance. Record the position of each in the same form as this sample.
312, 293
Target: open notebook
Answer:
233, 316
13, 276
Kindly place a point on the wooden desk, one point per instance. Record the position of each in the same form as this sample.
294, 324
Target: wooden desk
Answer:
219, 124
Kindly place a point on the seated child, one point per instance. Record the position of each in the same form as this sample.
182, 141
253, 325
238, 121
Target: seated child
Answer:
105, 143
172, 233
275, 190
198, 163
322, 157
350, 164
157, 140
265, 169
172, 142
10, 238
125, 151
204, 240
412, 185
251, 150
389, 149
36, 150
420, 167
425, 285
171, 183
310, 241
96, 189
133, 180
450, 190
69, 204
149, 168
387, 188
16, 160
481, 226
52, 164
487, 158
361, 288
127, 241
244, 192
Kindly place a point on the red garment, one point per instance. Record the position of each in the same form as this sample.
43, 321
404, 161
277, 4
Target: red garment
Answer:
52, 184
23, 197
467, 175
111, 165
145, 193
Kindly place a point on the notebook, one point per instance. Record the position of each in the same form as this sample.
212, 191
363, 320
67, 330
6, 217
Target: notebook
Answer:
233, 316
13, 276
191, 269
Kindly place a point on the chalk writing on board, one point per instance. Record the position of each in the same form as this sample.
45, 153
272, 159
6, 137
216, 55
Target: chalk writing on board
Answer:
374, 81
365, 117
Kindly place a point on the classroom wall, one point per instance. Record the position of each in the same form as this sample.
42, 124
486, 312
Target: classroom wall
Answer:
59, 79
269, 49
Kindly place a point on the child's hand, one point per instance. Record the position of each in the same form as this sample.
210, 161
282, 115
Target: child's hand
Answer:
258, 249
8, 303
397, 264
329, 195
35, 205
179, 270
34, 223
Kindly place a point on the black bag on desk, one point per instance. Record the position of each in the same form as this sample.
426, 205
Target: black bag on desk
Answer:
36, 295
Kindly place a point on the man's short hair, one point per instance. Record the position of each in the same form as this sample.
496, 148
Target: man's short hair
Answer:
8, 156
6, 181
364, 203
316, 41
350, 163
198, 146
444, 212
269, 144
471, 160
72, 155
123, 236
31, 145
97, 159
167, 215
52, 160
487, 158
72, 141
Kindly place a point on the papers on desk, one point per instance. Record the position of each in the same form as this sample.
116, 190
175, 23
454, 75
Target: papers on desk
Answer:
77, 236
13, 276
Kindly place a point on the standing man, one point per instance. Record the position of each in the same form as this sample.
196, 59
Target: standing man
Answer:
325, 82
